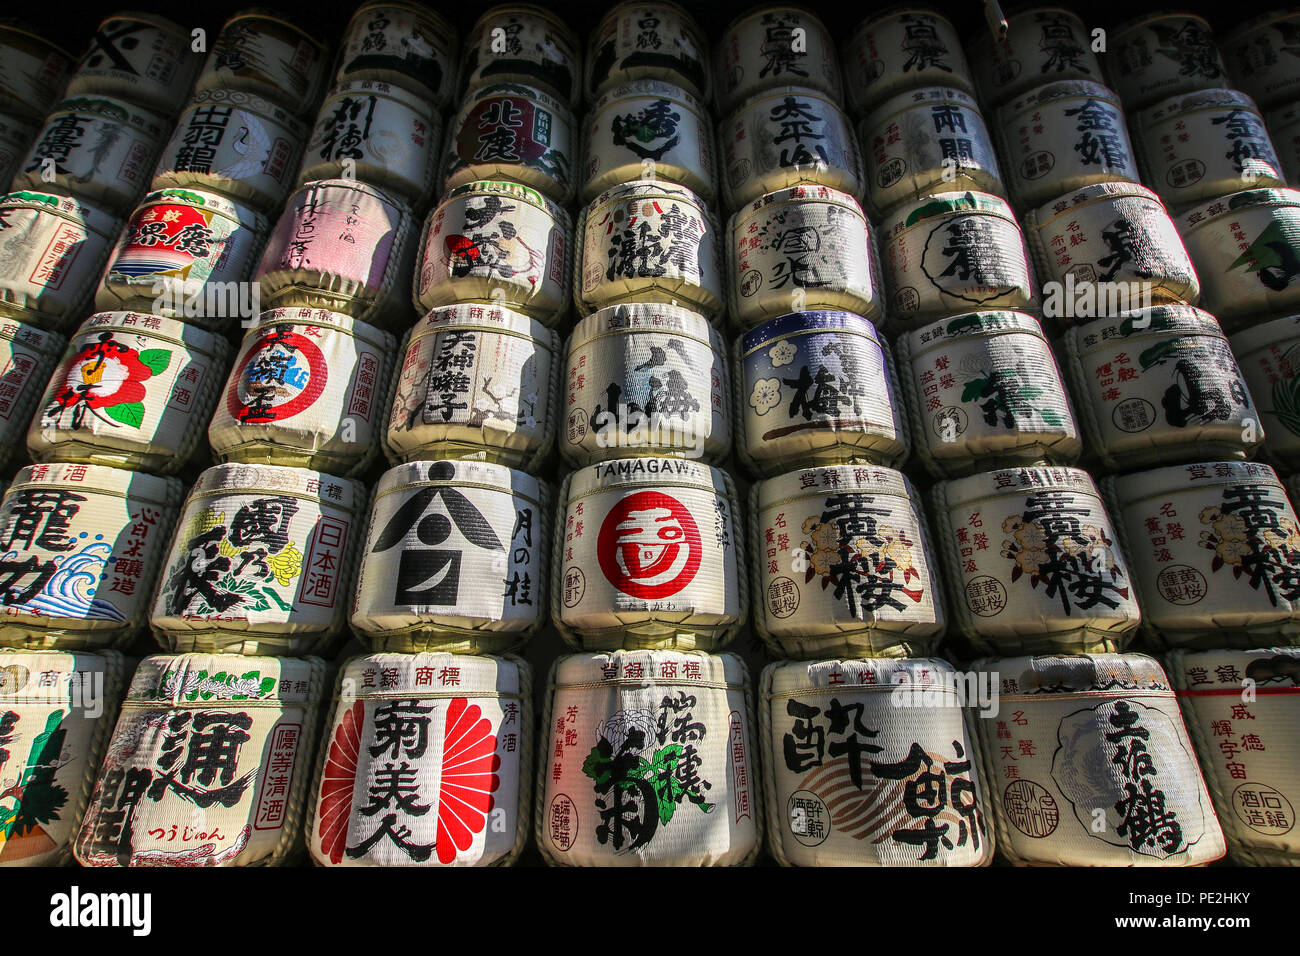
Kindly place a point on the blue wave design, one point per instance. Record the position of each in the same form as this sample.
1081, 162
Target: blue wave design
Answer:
69, 592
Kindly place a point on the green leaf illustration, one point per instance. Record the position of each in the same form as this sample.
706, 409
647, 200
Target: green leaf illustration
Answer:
973, 389
128, 413
156, 359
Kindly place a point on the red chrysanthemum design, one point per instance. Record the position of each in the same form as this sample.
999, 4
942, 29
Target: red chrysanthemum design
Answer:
337, 782
469, 778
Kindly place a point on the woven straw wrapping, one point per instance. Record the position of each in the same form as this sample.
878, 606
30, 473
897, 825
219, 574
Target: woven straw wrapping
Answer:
616, 727
616, 50
236, 734
1076, 782
843, 744
28, 356
548, 54
258, 52
155, 67
879, 61
743, 66
1021, 60
57, 710
1141, 79
378, 46
1269, 357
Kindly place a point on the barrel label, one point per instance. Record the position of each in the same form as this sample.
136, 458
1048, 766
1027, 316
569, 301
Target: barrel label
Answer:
281, 375
649, 545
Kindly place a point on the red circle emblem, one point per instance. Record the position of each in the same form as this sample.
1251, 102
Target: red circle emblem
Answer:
281, 375
649, 545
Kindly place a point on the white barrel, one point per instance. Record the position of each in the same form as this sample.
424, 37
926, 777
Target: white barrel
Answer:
869, 762
1117, 239
1160, 385
309, 388
773, 47
1269, 354
1248, 749
984, 390
843, 564
645, 379
260, 53
1258, 55
517, 133
344, 246
261, 562
402, 43
16, 134
1062, 137
657, 41
1090, 764
455, 559
649, 241
1042, 45
236, 144
141, 58
1033, 563
189, 254
949, 253
927, 141
817, 388
651, 555
36, 72
28, 356
57, 710
81, 545
645, 126
902, 49
209, 764
800, 249
618, 726
500, 243
1245, 247
1215, 551
789, 136
476, 382
1283, 125
455, 733
132, 391
52, 252
523, 43
1161, 54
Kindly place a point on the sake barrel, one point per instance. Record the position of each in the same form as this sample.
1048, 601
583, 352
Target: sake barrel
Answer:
464, 750
209, 764
611, 717
773, 47
308, 389
141, 58
455, 558
1160, 385
950, 252
846, 742
902, 49
843, 564
260, 53
1032, 561
646, 127
1042, 45
187, 253
1161, 54
133, 391
344, 246
1195, 146
1116, 238
261, 562
405, 44
1269, 354
236, 144
923, 142
82, 545
27, 358
648, 41
984, 390
1241, 709
377, 132
645, 379
36, 71
649, 241
789, 136
661, 563
1246, 248
16, 134
56, 714
500, 243
476, 382
1258, 54
99, 148
52, 252
1283, 126
1090, 764
523, 43
802, 248
816, 388
513, 132
1215, 551
1061, 137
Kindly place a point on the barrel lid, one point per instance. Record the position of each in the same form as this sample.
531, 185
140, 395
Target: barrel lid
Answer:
641, 668
475, 96
1181, 103
940, 205
1162, 481
1266, 334
234, 478
408, 675
862, 479
153, 19
816, 320
806, 192
531, 10
1223, 205
453, 474
645, 317
648, 89
1017, 481
516, 191
1061, 90
417, 104
222, 205
67, 207
869, 673
111, 107
1239, 32
100, 479
1154, 320
621, 473
274, 16
246, 101
13, 25
972, 325
418, 9
191, 337
1052, 674
924, 97
479, 316
219, 680
652, 188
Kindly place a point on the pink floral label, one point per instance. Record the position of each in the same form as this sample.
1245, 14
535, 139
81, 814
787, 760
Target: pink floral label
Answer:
338, 231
